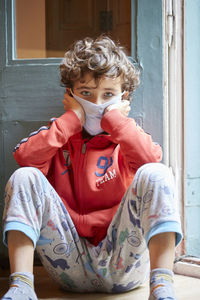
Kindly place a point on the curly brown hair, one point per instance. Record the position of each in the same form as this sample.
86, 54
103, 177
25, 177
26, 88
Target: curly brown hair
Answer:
101, 56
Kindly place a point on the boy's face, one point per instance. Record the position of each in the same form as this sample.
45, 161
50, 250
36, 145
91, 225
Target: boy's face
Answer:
97, 92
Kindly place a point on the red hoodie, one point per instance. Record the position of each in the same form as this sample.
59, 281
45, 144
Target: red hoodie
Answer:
89, 174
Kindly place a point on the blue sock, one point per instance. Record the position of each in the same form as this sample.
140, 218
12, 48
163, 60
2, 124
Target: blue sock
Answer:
161, 285
21, 287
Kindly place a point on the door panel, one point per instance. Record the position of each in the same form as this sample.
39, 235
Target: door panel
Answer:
64, 23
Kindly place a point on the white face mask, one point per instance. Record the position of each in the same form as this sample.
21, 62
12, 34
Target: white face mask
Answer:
94, 113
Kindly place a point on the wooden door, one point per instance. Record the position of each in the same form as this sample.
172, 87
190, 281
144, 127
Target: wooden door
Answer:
69, 20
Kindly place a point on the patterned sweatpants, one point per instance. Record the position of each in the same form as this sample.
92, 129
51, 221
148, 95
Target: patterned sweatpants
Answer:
121, 260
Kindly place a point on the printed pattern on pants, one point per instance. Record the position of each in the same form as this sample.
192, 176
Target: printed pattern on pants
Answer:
121, 261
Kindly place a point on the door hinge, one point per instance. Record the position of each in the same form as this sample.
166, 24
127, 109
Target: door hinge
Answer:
170, 21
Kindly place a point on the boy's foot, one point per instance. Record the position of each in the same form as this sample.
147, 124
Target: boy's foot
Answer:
21, 287
161, 285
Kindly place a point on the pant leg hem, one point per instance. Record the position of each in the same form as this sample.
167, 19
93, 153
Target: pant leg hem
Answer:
18, 226
168, 226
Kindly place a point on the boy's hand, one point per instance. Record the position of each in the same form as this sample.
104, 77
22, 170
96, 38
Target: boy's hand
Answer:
71, 104
123, 106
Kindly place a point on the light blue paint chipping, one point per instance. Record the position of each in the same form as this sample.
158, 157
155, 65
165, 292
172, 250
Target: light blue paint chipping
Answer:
192, 125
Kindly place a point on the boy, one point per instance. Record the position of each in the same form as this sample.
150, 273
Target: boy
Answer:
91, 195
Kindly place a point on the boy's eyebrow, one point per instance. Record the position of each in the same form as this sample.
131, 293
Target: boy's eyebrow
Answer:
93, 88
110, 89
85, 87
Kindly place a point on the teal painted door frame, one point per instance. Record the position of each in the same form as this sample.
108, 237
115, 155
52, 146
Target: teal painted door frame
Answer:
147, 50
30, 92
192, 126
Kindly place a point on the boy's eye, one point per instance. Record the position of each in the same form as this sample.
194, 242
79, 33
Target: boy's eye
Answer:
86, 93
108, 95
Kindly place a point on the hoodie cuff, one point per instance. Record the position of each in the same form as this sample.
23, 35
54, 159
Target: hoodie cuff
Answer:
112, 120
70, 123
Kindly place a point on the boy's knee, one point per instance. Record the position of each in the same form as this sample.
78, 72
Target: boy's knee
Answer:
23, 171
23, 175
154, 172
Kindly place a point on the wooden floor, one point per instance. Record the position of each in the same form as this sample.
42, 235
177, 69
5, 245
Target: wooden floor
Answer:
187, 288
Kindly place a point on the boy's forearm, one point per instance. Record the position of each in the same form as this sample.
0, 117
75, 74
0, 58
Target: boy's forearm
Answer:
38, 149
136, 145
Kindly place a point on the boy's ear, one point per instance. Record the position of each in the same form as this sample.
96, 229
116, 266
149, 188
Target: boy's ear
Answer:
125, 95
68, 91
